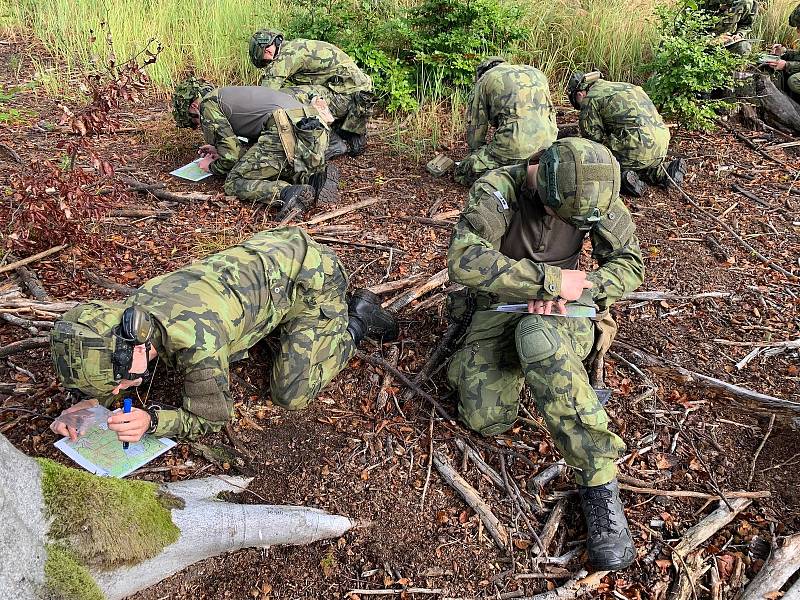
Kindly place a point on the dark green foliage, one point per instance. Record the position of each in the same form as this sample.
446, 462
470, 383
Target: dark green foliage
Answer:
435, 45
688, 69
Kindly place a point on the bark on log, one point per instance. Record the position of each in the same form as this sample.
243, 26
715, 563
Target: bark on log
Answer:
777, 104
779, 568
208, 527
710, 525
439, 279
23, 345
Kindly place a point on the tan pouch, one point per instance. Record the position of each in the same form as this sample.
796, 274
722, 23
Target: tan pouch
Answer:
605, 330
286, 133
439, 165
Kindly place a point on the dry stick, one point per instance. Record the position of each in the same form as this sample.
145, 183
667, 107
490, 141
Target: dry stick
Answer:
391, 592
23, 345
159, 191
391, 286
30, 259
551, 526
493, 525
342, 211
31, 326
11, 153
578, 586
752, 145
292, 214
548, 474
659, 296
430, 463
439, 279
684, 586
481, 464
434, 359
708, 526
432, 222
108, 284
718, 385
393, 355
672, 493
749, 194
759, 449
730, 230
381, 362
30, 280
517, 501
333, 240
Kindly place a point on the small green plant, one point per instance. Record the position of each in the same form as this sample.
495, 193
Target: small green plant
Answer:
688, 68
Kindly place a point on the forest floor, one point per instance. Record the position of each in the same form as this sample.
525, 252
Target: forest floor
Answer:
363, 451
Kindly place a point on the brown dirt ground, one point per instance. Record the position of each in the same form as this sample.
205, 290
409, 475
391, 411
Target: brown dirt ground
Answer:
350, 455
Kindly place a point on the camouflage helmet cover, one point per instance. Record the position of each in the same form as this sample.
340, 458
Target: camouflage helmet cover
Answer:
794, 17
82, 344
578, 179
259, 41
487, 64
183, 96
579, 82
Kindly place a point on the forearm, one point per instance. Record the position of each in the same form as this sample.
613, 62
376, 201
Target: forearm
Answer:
473, 262
230, 149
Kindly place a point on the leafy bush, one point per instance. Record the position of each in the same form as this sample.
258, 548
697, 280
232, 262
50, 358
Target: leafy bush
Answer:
687, 68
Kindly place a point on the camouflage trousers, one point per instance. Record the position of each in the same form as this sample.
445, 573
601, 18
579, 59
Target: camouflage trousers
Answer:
351, 111
503, 351
263, 171
314, 345
513, 143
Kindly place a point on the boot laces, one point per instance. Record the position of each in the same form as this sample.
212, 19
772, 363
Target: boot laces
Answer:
598, 511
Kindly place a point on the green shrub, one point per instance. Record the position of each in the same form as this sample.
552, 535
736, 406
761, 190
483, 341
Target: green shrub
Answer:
687, 68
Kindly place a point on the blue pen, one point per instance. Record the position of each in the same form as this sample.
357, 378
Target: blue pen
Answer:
127, 403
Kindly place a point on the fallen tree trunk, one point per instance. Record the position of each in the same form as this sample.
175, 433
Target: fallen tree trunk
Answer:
40, 555
779, 568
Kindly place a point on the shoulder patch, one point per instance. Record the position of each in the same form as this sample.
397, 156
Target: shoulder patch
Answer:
501, 199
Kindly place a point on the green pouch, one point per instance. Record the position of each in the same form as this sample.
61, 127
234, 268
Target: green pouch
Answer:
439, 165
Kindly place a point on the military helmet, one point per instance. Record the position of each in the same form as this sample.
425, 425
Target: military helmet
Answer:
579, 82
487, 64
578, 179
92, 345
183, 96
260, 41
794, 17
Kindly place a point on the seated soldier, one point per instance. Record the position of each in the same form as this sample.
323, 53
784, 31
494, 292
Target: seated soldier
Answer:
515, 99
284, 167
322, 69
622, 117
734, 27
203, 317
519, 239
789, 62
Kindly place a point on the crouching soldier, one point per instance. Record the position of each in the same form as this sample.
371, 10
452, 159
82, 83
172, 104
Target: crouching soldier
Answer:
622, 117
203, 317
735, 22
518, 240
285, 167
323, 69
515, 99
789, 62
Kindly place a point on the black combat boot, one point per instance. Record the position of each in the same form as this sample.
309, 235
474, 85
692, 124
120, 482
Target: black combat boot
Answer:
609, 540
356, 144
677, 170
368, 319
301, 197
329, 186
632, 185
336, 146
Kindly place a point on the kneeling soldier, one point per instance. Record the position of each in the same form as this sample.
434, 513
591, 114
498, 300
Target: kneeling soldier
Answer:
622, 117
284, 167
202, 317
323, 69
516, 100
518, 240
788, 62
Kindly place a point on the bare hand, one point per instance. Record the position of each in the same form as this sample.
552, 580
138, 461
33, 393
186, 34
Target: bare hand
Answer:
573, 283
60, 428
778, 65
205, 162
547, 307
208, 150
130, 427
778, 49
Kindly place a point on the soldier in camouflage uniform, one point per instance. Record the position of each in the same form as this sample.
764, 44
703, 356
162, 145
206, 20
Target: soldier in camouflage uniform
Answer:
515, 99
204, 316
622, 117
286, 164
519, 239
789, 63
323, 69
734, 27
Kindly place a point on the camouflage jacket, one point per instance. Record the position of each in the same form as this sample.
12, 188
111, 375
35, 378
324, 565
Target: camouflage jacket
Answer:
622, 117
474, 258
228, 113
792, 58
512, 93
311, 62
208, 314
735, 16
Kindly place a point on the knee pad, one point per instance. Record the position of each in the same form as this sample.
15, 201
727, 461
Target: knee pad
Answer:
536, 341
